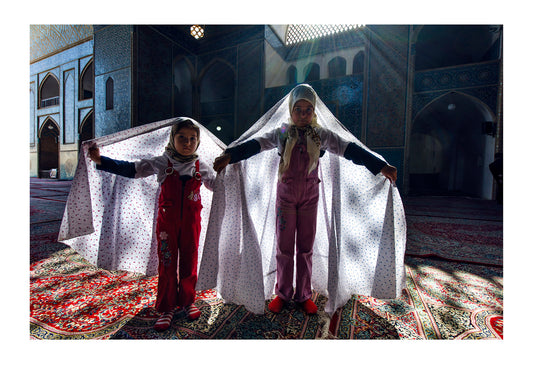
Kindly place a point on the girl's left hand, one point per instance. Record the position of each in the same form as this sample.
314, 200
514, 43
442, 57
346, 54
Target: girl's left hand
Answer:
390, 173
221, 162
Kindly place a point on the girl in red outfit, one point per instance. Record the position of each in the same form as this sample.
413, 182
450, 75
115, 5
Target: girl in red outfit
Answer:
180, 174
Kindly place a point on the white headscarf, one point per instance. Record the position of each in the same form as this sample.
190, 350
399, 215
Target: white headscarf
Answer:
302, 91
306, 93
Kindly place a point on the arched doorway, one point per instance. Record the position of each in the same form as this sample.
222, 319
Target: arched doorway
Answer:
182, 88
49, 150
449, 151
217, 99
87, 82
86, 130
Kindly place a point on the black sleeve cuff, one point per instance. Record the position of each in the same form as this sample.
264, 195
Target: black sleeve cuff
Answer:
243, 151
360, 156
123, 168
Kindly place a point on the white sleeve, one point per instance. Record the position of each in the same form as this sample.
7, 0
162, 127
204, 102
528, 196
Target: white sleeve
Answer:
332, 142
149, 166
269, 140
208, 175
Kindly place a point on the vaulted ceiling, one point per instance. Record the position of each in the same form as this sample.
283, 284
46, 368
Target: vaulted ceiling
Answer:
46, 40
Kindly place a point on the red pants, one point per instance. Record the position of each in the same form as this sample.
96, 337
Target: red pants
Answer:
178, 233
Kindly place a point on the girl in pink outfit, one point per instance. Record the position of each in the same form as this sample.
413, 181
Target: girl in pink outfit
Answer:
300, 144
180, 174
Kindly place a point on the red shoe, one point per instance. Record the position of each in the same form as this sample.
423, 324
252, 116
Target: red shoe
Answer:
163, 322
276, 305
193, 312
309, 306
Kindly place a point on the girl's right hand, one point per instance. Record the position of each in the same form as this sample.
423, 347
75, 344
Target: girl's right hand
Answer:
94, 154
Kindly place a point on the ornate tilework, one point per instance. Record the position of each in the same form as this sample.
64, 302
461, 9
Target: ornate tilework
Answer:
478, 80
49, 39
457, 77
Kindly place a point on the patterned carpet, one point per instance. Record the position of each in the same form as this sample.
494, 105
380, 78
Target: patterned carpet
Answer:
47, 203
71, 299
454, 286
455, 229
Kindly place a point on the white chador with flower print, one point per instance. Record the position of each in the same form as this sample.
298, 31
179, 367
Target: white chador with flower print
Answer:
360, 242
110, 219
361, 233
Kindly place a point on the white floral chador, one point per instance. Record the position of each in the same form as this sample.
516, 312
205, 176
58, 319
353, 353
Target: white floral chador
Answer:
110, 219
361, 232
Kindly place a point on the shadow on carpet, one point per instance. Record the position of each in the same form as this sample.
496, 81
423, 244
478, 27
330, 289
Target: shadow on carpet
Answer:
229, 321
454, 289
457, 229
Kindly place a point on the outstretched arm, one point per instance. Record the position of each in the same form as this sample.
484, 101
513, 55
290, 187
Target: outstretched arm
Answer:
236, 154
360, 156
123, 168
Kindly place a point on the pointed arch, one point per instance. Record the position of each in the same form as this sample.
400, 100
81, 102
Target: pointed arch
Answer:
109, 93
48, 151
182, 86
448, 150
292, 75
456, 95
182, 61
49, 121
49, 91
312, 72
217, 93
217, 81
86, 82
86, 129
213, 62
337, 67
358, 63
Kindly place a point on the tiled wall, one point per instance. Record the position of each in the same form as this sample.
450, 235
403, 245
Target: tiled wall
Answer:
140, 59
66, 66
113, 59
478, 80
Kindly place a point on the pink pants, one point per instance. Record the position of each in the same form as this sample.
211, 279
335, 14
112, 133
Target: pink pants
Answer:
296, 206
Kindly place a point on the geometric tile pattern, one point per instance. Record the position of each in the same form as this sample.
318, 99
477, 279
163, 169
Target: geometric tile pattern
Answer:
49, 39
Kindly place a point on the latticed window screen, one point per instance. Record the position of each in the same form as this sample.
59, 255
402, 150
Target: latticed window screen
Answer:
300, 33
